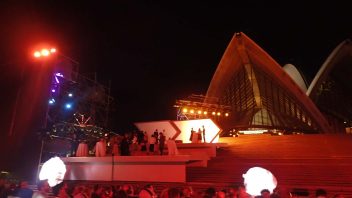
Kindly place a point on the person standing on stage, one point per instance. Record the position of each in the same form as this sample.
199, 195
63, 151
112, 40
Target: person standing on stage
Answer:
161, 142
193, 136
171, 147
199, 135
100, 148
125, 146
156, 133
152, 142
203, 131
144, 142
74, 145
115, 145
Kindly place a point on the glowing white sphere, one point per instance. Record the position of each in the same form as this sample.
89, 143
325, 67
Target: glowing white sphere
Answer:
256, 179
53, 170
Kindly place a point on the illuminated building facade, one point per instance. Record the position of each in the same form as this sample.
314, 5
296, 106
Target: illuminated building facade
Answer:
331, 88
260, 94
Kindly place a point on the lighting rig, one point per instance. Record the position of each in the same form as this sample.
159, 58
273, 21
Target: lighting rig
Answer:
194, 107
73, 97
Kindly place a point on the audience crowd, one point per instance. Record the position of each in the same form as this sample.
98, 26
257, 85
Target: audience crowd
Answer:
139, 143
90, 190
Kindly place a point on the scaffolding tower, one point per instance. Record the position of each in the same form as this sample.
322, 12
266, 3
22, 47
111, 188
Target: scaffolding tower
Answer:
78, 109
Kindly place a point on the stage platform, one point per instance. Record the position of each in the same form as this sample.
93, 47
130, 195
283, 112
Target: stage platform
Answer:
298, 161
154, 168
127, 168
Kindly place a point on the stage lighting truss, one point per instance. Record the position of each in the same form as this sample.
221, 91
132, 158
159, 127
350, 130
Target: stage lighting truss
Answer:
194, 107
71, 131
72, 93
78, 105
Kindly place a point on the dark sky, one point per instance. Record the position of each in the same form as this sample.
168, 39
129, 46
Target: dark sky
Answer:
155, 53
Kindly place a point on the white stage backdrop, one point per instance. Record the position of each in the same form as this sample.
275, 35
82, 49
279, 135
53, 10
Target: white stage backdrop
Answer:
181, 130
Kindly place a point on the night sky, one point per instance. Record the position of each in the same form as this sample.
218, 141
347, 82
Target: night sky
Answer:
155, 53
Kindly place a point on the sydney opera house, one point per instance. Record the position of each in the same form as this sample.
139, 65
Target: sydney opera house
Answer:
262, 94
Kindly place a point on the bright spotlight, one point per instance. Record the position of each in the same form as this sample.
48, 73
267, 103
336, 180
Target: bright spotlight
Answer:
52, 50
45, 52
53, 90
199, 112
53, 170
52, 101
257, 179
70, 95
37, 54
68, 106
226, 114
184, 110
213, 113
205, 113
192, 111
218, 114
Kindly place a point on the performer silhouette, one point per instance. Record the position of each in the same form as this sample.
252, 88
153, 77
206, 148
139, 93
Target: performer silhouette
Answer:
203, 134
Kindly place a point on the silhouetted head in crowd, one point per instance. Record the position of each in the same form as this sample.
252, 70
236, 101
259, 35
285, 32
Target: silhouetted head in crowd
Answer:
210, 192
321, 193
187, 191
221, 193
265, 193
174, 193
241, 191
121, 194
43, 186
170, 193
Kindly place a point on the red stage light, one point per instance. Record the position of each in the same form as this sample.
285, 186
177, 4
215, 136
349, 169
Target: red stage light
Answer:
45, 52
37, 54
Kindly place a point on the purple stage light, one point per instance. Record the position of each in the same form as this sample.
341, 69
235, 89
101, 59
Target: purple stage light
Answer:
59, 74
56, 75
53, 90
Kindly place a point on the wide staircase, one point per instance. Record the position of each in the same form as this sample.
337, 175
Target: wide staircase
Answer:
305, 162
299, 162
